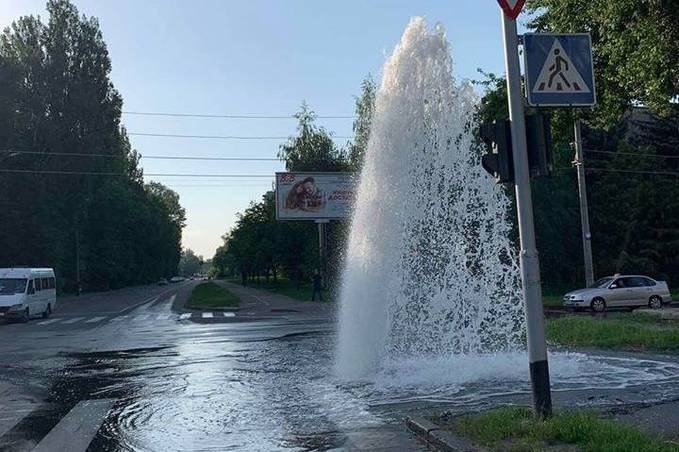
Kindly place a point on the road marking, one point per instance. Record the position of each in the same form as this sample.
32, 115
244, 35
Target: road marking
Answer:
47, 322
95, 319
185, 316
141, 317
119, 318
10, 419
75, 431
228, 314
163, 316
77, 319
207, 315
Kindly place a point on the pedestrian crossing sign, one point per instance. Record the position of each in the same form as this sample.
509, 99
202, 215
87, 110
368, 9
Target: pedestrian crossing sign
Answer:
559, 69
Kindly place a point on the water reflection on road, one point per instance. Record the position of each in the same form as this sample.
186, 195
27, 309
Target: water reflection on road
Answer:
270, 386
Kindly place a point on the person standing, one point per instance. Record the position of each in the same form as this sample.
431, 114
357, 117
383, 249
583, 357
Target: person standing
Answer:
317, 287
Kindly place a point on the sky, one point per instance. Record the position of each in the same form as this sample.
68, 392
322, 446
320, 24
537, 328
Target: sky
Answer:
255, 57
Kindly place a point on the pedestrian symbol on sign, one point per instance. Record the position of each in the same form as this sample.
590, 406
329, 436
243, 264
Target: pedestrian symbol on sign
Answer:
559, 70
558, 74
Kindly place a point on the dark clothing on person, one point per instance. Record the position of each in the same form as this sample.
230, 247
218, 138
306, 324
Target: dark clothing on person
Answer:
317, 288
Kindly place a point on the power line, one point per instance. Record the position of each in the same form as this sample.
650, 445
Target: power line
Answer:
193, 115
612, 170
158, 157
220, 137
100, 173
633, 154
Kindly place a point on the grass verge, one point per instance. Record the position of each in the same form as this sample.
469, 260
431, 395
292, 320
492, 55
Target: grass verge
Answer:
301, 292
211, 295
623, 331
517, 429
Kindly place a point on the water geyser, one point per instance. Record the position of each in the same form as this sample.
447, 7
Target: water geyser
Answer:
430, 270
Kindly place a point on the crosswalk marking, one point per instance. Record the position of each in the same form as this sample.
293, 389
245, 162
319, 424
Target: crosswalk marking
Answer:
95, 319
75, 431
136, 318
9, 419
77, 319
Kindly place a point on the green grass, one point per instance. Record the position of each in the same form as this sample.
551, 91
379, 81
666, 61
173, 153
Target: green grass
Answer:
552, 300
516, 429
211, 295
622, 331
285, 287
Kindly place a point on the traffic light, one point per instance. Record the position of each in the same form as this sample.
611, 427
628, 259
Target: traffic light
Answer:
498, 161
539, 143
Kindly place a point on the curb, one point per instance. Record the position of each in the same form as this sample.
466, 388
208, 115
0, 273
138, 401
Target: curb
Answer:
227, 309
436, 438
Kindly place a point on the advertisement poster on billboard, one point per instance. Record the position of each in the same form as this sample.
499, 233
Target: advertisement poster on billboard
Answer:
314, 196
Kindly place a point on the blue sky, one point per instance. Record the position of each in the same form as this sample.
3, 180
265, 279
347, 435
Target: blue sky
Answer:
255, 57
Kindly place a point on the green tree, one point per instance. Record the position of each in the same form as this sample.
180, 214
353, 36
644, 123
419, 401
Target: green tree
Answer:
365, 107
635, 45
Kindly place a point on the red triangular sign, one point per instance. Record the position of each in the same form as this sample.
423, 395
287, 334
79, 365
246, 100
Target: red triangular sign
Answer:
512, 8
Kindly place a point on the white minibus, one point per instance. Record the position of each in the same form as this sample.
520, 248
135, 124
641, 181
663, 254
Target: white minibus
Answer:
27, 292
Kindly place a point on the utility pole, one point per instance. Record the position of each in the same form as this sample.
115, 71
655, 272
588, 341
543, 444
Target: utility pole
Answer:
322, 251
530, 266
579, 163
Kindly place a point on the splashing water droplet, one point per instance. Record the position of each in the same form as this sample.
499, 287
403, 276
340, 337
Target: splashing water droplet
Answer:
430, 269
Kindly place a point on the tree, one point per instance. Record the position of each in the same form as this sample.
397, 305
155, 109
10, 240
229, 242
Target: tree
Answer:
365, 107
57, 106
635, 45
312, 149
190, 263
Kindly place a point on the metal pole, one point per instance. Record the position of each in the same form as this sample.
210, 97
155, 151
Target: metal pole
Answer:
530, 266
584, 214
322, 251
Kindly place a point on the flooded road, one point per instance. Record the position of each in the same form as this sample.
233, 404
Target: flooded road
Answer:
150, 379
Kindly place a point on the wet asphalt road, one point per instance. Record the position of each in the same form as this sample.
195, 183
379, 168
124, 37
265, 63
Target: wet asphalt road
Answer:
124, 372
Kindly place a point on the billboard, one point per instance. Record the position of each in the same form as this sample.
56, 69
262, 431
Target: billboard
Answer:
314, 196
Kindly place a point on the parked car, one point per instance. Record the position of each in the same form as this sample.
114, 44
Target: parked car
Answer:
630, 291
27, 292
162, 282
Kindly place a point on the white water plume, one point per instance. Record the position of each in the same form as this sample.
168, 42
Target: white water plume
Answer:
430, 268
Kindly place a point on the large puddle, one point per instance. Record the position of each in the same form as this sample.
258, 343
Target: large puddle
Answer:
281, 394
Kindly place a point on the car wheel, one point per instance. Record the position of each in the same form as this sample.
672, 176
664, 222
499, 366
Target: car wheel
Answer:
26, 316
655, 302
48, 311
598, 305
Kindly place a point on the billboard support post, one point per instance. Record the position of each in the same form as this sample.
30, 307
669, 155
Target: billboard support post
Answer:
323, 251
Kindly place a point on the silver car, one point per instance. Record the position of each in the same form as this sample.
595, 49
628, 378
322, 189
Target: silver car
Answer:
630, 291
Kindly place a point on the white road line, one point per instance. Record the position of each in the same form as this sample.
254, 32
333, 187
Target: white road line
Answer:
228, 314
47, 322
95, 319
207, 315
119, 318
77, 319
141, 317
185, 316
162, 316
10, 419
75, 431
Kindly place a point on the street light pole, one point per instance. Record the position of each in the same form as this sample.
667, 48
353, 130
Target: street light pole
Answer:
530, 266
584, 214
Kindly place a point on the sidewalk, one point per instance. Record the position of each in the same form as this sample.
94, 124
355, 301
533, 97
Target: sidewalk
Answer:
257, 303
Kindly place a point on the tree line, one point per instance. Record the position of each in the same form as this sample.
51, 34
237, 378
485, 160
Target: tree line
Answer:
631, 140
72, 193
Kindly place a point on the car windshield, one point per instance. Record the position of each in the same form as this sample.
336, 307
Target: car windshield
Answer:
603, 282
11, 286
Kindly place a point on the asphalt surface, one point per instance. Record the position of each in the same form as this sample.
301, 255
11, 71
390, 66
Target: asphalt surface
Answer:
132, 370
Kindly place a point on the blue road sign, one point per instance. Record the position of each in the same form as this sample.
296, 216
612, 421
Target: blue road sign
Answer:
559, 69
